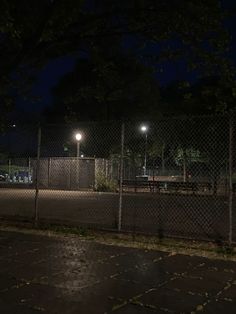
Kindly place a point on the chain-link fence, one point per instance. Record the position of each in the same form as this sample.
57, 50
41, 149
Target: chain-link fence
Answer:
170, 177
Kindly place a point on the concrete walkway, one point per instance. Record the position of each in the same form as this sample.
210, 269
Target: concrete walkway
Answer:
41, 274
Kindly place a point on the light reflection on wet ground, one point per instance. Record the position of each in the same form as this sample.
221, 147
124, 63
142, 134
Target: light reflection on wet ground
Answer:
40, 274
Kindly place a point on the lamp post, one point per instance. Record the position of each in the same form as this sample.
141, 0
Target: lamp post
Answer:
78, 137
144, 130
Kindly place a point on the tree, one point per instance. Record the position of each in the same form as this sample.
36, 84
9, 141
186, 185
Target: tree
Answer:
206, 96
110, 89
32, 33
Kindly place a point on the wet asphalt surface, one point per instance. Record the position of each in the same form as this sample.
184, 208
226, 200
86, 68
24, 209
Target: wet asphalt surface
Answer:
195, 216
41, 274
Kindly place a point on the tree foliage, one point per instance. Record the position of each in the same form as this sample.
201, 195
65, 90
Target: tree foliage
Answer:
106, 90
208, 95
34, 32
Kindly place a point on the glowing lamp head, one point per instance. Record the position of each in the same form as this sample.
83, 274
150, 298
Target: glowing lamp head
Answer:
78, 137
143, 128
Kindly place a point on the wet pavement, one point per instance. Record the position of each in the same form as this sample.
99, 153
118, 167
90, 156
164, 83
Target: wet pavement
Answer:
42, 274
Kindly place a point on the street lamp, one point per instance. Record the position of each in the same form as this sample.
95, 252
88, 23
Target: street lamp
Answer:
144, 130
78, 137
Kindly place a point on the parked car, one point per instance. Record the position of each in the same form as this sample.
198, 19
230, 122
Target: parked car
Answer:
3, 175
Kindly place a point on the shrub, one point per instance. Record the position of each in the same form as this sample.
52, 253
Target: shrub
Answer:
103, 184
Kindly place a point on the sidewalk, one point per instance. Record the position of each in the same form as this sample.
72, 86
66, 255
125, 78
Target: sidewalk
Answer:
41, 274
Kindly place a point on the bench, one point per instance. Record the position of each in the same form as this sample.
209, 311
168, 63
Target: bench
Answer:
152, 186
186, 186
176, 186
179, 186
204, 186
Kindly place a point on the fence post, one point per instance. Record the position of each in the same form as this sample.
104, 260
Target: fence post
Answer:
29, 170
9, 168
77, 171
121, 176
37, 179
49, 172
230, 179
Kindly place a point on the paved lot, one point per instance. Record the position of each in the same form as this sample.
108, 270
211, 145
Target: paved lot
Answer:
197, 216
40, 274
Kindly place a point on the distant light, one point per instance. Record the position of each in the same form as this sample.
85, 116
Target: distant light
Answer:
78, 136
144, 128
82, 156
13, 126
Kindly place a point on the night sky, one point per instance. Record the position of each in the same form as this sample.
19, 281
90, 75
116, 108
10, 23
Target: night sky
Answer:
50, 75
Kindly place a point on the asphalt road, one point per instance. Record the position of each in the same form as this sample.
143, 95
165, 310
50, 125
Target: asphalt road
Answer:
197, 216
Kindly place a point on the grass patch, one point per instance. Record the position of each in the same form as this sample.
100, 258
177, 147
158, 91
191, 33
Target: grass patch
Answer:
80, 231
226, 251
173, 246
28, 226
146, 242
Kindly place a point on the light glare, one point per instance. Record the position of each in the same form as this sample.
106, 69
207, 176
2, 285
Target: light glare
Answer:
143, 128
78, 136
